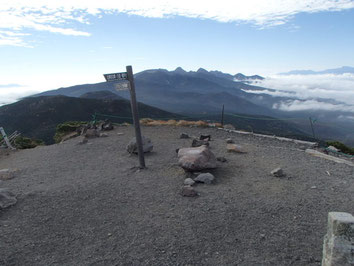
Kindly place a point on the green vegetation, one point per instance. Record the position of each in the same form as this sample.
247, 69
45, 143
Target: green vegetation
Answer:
27, 143
65, 128
343, 148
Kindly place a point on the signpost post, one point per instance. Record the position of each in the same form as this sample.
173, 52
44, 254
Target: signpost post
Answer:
130, 77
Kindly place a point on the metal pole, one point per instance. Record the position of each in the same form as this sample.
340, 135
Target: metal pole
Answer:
313, 132
135, 114
222, 116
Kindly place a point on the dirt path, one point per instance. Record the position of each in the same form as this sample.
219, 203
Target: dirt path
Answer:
85, 205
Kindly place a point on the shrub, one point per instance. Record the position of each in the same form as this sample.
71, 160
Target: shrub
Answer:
342, 147
27, 143
65, 128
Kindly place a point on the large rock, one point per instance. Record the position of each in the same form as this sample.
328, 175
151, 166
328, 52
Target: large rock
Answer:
196, 159
206, 178
133, 147
7, 199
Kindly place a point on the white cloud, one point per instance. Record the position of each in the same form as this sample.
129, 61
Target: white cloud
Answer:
58, 16
310, 89
299, 105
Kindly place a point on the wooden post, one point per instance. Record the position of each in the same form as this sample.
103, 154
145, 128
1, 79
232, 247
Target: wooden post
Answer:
139, 140
222, 116
6, 139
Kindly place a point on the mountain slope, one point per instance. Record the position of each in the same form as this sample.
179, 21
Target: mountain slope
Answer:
38, 116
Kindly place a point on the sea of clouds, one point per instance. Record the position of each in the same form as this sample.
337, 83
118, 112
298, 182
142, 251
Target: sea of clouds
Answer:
309, 91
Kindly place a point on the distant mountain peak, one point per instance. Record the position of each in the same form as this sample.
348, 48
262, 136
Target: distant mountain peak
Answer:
202, 70
335, 71
180, 70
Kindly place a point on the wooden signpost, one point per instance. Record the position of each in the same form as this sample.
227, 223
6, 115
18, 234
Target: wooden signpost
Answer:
114, 77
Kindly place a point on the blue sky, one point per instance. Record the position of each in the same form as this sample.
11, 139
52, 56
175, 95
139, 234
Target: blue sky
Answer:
45, 46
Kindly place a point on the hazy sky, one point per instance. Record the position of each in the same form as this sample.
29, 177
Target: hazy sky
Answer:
48, 44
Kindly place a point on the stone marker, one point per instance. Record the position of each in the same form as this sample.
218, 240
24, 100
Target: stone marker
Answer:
6, 174
278, 172
133, 147
7, 198
198, 143
184, 136
338, 245
189, 181
235, 148
196, 159
229, 141
206, 178
188, 191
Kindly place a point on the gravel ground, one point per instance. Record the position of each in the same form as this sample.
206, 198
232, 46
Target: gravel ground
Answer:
89, 205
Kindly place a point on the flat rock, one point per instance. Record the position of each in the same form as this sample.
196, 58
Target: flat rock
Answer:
229, 141
278, 172
6, 174
196, 159
206, 178
189, 181
235, 148
132, 147
188, 191
7, 198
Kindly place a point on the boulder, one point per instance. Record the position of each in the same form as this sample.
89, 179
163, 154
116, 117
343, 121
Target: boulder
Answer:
235, 148
92, 133
132, 147
189, 181
188, 191
278, 172
184, 136
198, 143
206, 178
196, 159
7, 198
6, 174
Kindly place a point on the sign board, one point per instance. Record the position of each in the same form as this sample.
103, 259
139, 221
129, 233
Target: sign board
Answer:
116, 76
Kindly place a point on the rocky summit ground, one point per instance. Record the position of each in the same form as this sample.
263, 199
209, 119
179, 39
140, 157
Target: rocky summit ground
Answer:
88, 204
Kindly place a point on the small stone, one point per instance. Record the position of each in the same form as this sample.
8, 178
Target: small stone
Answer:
235, 148
277, 172
7, 198
313, 187
229, 141
184, 136
206, 178
120, 133
221, 159
103, 135
188, 191
189, 181
6, 174
198, 143
332, 148
205, 137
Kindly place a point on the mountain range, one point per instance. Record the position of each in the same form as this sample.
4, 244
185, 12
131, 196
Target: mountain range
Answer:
202, 94
335, 71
